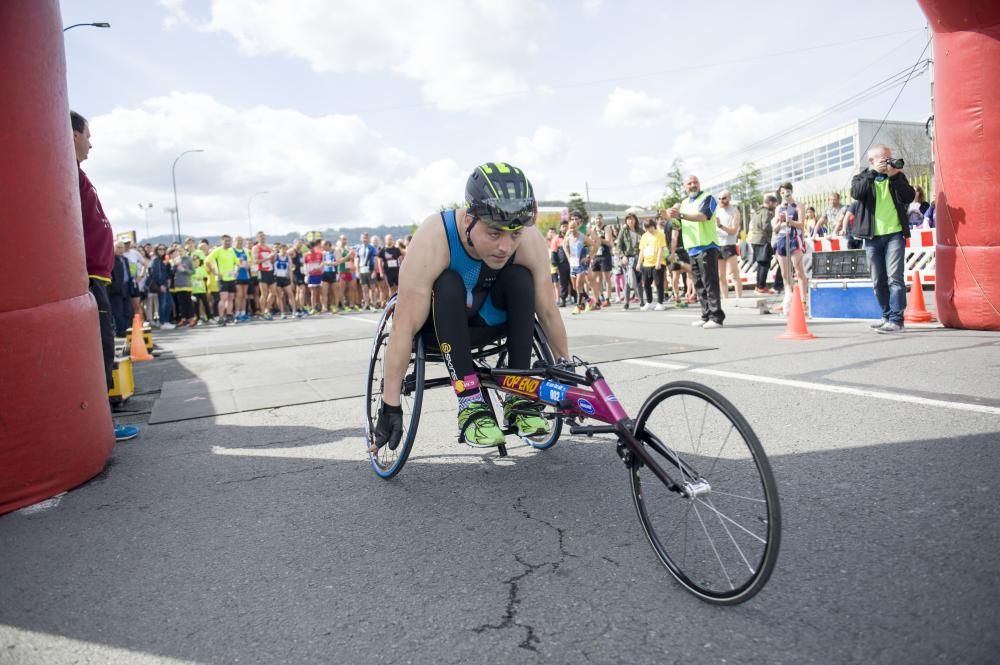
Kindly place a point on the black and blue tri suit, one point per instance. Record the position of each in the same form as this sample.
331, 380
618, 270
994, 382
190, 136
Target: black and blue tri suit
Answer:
473, 304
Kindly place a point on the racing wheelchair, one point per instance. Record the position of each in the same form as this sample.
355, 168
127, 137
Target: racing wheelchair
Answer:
700, 480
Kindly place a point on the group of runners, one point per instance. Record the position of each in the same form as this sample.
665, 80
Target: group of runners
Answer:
189, 283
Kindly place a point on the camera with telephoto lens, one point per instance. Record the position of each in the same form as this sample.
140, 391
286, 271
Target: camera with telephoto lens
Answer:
895, 163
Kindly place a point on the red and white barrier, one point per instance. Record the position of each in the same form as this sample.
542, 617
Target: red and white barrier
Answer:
920, 248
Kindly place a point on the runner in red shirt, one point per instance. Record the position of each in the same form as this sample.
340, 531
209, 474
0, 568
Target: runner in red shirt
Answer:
263, 256
314, 274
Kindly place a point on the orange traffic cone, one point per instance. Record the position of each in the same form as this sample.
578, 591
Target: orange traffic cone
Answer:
138, 351
916, 311
796, 328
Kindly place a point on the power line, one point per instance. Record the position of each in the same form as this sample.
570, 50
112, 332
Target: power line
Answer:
664, 72
898, 79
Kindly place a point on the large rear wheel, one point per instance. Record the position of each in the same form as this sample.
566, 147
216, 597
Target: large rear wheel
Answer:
720, 533
388, 462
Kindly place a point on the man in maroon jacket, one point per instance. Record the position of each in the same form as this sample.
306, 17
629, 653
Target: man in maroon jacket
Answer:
99, 245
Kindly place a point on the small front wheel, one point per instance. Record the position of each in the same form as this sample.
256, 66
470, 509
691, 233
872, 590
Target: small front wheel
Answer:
718, 533
387, 462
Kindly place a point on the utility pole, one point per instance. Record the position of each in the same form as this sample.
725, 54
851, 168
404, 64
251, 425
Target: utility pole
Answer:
145, 209
174, 232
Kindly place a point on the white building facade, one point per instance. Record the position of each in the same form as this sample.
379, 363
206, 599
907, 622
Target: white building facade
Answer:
826, 162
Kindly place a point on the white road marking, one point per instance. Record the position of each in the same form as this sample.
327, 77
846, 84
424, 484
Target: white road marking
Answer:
824, 387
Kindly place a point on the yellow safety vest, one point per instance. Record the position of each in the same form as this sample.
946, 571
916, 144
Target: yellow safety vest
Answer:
697, 234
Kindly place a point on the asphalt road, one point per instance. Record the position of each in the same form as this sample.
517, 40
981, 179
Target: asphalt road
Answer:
264, 537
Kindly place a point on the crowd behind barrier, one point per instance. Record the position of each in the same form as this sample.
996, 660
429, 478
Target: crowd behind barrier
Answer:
592, 265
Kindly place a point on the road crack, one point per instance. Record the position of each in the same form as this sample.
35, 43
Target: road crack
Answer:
510, 615
271, 475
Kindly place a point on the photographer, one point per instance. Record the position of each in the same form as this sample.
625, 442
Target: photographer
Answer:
883, 194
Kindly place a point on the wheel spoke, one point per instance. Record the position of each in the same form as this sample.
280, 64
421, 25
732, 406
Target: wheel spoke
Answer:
731, 539
731, 520
714, 551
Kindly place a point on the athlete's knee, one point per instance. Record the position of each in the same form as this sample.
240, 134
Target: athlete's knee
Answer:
449, 285
516, 276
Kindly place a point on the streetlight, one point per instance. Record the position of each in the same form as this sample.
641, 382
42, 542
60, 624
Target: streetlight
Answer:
250, 223
95, 25
145, 209
173, 176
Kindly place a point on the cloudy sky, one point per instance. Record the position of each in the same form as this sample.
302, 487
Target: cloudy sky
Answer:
351, 113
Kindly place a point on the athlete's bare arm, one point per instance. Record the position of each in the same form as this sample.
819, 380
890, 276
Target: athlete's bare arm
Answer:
428, 257
533, 254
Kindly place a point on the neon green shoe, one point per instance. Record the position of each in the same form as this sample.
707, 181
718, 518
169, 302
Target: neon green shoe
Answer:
526, 416
478, 427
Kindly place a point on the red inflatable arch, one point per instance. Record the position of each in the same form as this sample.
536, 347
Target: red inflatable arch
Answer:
967, 160
55, 422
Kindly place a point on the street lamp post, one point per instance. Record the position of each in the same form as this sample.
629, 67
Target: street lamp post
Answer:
94, 25
145, 208
173, 177
249, 221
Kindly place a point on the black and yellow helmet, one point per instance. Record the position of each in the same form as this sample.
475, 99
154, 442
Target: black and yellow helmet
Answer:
501, 196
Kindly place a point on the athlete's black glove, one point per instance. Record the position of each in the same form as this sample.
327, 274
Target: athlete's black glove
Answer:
389, 428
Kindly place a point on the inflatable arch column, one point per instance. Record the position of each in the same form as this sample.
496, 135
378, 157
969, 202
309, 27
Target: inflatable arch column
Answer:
967, 160
55, 421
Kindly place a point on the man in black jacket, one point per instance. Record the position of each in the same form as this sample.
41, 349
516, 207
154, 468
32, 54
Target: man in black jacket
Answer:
883, 194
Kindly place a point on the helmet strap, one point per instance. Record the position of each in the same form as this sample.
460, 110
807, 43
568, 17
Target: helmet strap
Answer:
468, 229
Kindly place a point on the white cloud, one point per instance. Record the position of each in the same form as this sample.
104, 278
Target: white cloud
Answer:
633, 108
320, 171
450, 46
717, 145
539, 155
592, 7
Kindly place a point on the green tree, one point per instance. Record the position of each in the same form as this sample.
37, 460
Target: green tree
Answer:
674, 188
746, 192
577, 204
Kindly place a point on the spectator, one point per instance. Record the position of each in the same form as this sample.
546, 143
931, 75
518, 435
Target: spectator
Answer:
680, 264
313, 263
566, 290
652, 248
283, 290
183, 267
603, 261
137, 267
884, 193
223, 263
576, 250
810, 225
345, 274
199, 291
728, 224
159, 283
366, 269
119, 289
262, 255
789, 247
930, 215
390, 258
627, 245
786, 202
759, 236
697, 216
242, 279
551, 241
832, 219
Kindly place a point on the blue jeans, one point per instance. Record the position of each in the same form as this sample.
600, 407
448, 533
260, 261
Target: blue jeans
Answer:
166, 301
885, 259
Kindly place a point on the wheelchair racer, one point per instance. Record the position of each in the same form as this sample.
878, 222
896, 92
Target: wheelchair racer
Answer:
470, 276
